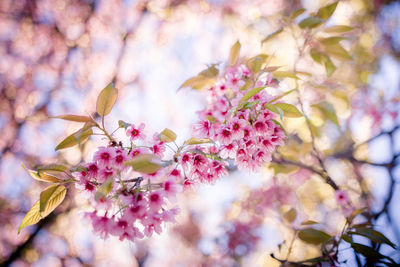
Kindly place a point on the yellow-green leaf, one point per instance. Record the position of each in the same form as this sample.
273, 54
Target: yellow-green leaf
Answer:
328, 111
310, 22
52, 167
334, 40
309, 222
338, 29
337, 51
284, 74
77, 118
234, 53
272, 35
313, 236
282, 95
167, 135
34, 215
255, 63
41, 176
197, 82
290, 215
31, 217
197, 141
249, 94
271, 68
78, 137
103, 189
51, 196
288, 109
145, 163
329, 66
106, 100
211, 71
297, 13
326, 12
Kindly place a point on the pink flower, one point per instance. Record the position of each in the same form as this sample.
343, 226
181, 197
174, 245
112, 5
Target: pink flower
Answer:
171, 189
237, 127
234, 80
260, 127
136, 133
101, 225
152, 224
185, 160
120, 156
228, 151
92, 169
156, 200
137, 211
175, 173
199, 162
341, 197
219, 168
131, 233
202, 129
105, 174
104, 155
224, 135
169, 215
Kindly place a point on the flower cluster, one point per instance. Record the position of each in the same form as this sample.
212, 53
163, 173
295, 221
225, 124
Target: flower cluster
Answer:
244, 131
133, 188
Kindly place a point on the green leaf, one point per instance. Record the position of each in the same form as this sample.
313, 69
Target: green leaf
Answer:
309, 222
53, 193
310, 22
328, 111
373, 235
272, 35
145, 163
77, 118
329, 67
78, 168
52, 167
197, 141
326, 12
249, 94
123, 124
337, 51
234, 53
254, 64
271, 68
334, 40
167, 136
103, 190
313, 236
347, 238
34, 215
284, 74
368, 252
40, 176
288, 109
290, 215
316, 55
338, 29
211, 71
250, 104
197, 82
106, 100
78, 137
282, 95
297, 13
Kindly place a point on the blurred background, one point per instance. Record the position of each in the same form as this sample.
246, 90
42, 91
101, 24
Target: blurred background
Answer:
56, 56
